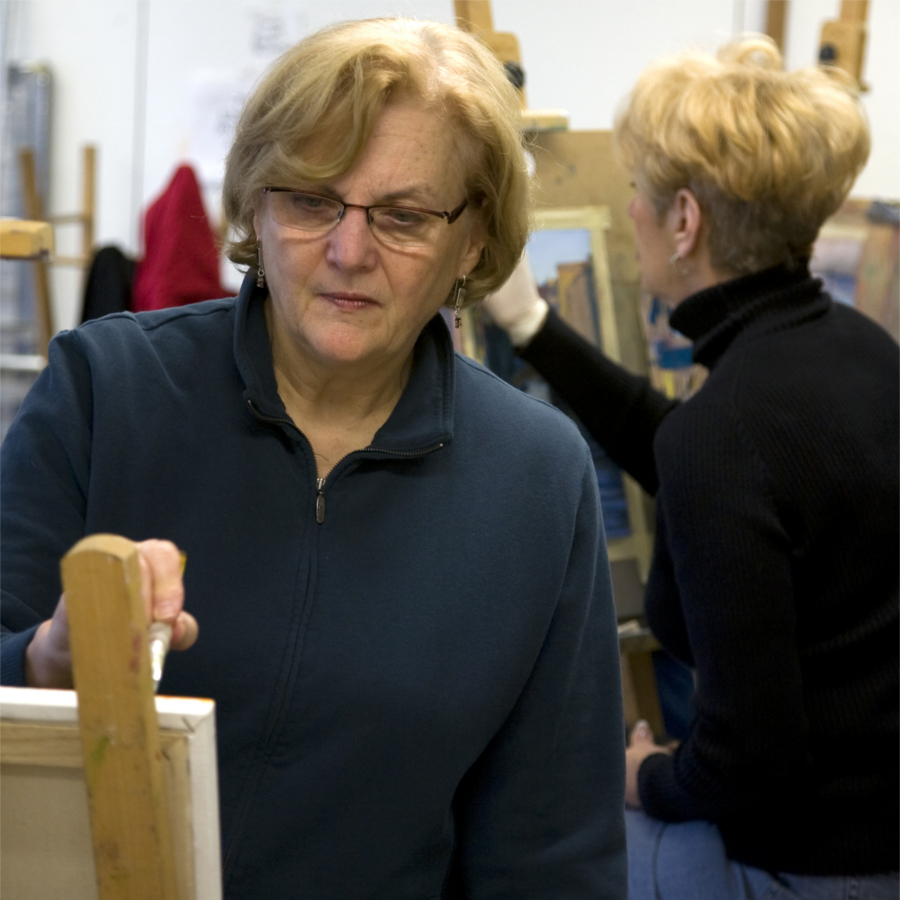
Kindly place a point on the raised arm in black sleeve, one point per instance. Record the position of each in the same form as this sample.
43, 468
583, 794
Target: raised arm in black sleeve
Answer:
620, 410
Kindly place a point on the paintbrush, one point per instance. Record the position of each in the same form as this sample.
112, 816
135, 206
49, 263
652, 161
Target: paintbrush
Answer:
159, 636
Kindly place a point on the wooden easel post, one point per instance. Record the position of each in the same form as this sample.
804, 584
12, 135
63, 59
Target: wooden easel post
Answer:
474, 17
88, 193
34, 210
843, 40
130, 827
85, 217
776, 16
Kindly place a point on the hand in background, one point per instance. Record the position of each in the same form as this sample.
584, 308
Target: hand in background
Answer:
48, 659
516, 306
641, 744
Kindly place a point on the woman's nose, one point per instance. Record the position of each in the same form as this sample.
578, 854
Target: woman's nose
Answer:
351, 242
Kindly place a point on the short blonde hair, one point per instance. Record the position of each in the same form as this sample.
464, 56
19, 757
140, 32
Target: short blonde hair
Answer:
328, 92
769, 154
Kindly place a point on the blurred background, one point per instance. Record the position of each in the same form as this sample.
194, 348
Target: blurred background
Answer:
152, 85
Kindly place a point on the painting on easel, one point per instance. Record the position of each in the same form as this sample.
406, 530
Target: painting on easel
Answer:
567, 253
568, 258
562, 263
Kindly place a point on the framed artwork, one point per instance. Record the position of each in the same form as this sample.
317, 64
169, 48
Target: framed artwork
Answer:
567, 252
568, 258
857, 256
45, 833
669, 353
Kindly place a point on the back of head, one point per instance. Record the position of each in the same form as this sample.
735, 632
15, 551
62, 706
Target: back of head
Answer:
769, 154
311, 116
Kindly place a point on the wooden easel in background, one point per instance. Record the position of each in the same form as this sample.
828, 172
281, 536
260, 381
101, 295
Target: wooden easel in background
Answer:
34, 210
842, 42
474, 17
576, 169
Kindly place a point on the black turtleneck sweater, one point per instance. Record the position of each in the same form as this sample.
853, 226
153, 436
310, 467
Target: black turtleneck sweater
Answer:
775, 570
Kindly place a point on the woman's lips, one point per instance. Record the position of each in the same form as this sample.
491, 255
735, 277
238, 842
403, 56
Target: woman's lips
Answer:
345, 300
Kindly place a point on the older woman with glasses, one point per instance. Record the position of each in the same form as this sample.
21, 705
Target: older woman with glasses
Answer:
397, 561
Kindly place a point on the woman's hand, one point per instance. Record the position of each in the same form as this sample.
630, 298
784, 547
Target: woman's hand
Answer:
48, 659
640, 745
516, 306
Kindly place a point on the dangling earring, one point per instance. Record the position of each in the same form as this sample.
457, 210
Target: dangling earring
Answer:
674, 259
458, 301
260, 268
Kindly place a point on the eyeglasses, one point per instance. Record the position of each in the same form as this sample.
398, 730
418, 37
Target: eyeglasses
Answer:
400, 226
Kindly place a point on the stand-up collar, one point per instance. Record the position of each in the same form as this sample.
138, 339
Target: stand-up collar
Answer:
769, 300
422, 418
253, 351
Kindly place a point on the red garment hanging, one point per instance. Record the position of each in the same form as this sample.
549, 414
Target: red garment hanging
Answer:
181, 257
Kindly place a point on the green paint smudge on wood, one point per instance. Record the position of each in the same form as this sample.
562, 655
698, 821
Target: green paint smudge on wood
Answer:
99, 751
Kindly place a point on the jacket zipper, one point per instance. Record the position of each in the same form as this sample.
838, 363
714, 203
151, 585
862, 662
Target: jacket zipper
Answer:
320, 500
320, 517
320, 482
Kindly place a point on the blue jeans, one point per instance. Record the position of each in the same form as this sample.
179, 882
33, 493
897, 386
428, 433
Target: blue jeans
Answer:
675, 685
686, 861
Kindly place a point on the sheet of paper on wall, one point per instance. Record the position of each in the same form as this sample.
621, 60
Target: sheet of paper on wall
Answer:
272, 28
216, 99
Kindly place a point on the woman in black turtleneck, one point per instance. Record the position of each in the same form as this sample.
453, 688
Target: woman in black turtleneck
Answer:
775, 570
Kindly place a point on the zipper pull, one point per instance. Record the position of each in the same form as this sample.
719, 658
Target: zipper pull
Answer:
320, 501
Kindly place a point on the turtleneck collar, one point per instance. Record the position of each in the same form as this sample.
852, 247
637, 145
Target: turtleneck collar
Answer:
774, 298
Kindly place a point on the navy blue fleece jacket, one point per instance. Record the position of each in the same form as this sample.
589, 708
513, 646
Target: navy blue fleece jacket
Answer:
417, 689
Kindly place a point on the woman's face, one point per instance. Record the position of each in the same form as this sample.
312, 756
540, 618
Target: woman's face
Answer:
345, 299
654, 246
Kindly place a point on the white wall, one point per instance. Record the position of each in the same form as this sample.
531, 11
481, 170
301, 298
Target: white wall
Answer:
130, 75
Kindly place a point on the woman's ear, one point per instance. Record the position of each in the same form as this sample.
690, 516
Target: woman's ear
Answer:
472, 252
686, 222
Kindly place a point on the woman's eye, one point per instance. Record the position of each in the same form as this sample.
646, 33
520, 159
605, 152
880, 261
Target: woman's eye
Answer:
308, 201
403, 218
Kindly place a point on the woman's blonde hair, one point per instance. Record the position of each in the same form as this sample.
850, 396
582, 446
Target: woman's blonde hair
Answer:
768, 154
311, 116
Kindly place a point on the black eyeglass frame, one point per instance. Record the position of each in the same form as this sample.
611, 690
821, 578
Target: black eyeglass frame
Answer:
451, 216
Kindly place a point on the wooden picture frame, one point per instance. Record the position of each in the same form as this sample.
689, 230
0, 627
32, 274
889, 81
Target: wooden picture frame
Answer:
573, 241
45, 833
568, 256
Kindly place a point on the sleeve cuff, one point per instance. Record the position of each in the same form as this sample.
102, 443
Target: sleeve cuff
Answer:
12, 657
529, 325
